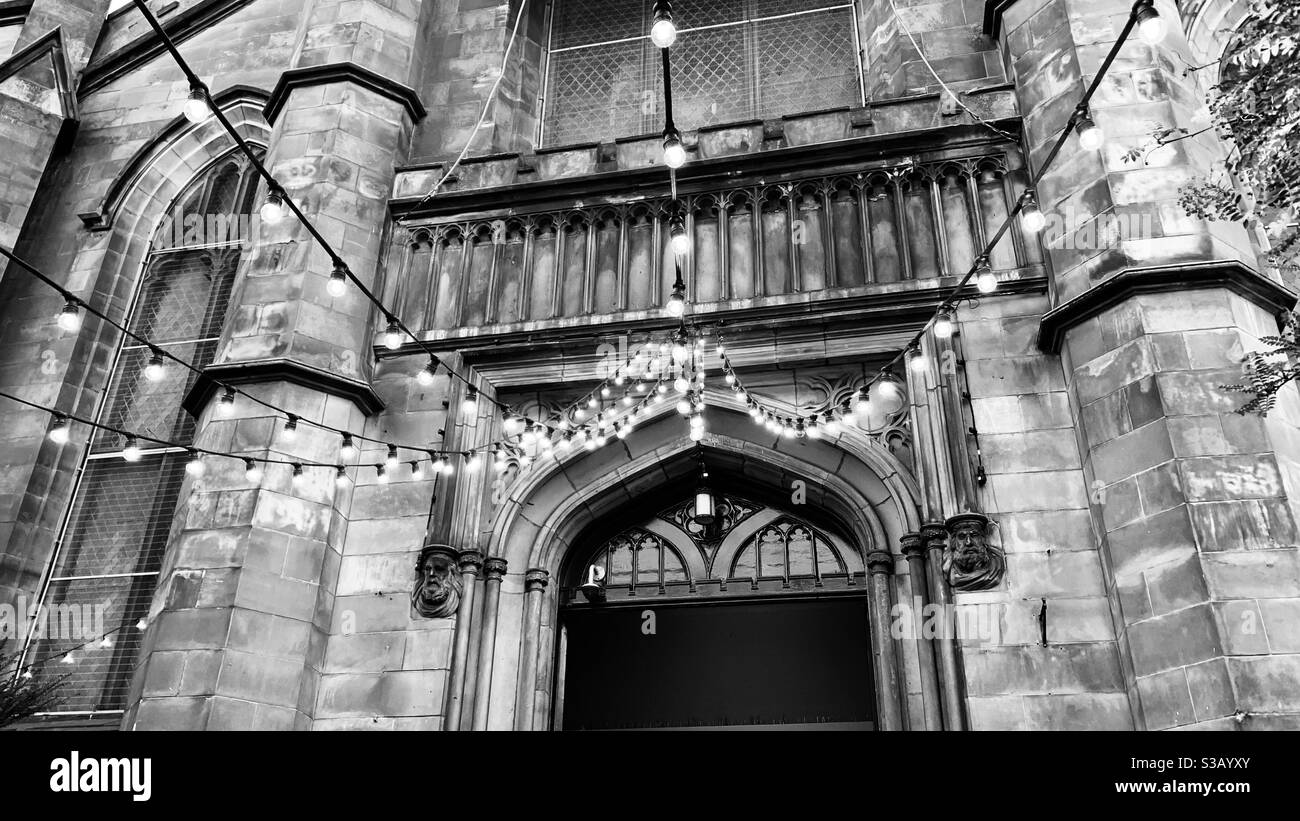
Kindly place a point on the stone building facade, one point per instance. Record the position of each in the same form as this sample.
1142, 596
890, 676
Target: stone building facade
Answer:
1066, 474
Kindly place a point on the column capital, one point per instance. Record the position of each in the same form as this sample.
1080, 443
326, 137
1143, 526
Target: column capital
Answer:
880, 562
495, 568
934, 535
471, 561
536, 579
912, 545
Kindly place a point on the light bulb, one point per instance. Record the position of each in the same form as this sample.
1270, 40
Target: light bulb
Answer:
697, 434
1090, 135
813, 430
677, 302
296, 474
340, 477
195, 466
680, 384
985, 280
622, 432
155, 370
348, 451
470, 405
1031, 216
591, 444
679, 353
338, 282
427, 373
272, 211
943, 326
1151, 26
680, 241
831, 427
674, 151
392, 335
472, 462
70, 317
697, 421
105, 642
918, 361
663, 33
529, 436
661, 388
59, 430
889, 389
417, 472
252, 471
730, 378
862, 407
142, 624
196, 108
390, 461
381, 474
227, 404
131, 452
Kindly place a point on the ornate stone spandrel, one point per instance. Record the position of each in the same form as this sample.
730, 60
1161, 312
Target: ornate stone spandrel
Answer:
438, 583
970, 562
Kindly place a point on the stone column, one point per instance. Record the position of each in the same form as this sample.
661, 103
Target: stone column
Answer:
535, 582
914, 549
935, 538
1195, 506
495, 570
880, 566
471, 562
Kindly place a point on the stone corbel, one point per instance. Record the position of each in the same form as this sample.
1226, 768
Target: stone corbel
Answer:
438, 582
969, 562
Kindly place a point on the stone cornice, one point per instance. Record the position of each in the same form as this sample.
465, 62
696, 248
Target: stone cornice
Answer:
342, 73
1233, 276
280, 370
149, 45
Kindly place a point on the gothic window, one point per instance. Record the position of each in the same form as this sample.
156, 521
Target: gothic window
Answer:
110, 551
638, 557
785, 549
734, 60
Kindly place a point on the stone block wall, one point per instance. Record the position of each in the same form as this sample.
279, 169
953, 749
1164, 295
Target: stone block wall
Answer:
949, 34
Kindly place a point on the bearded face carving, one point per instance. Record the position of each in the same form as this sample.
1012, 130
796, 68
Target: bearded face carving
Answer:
437, 586
970, 562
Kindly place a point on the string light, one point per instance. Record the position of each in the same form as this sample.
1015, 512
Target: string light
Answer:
155, 370
227, 404
427, 374
417, 470
70, 316
1150, 25
296, 473
472, 461
340, 476
677, 302
1090, 135
674, 151
252, 471
678, 240
985, 280
663, 32
59, 430
917, 359
338, 282
392, 334
470, 405
131, 452
943, 326
195, 466
196, 108
272, 210
348, 450
381, 475
391, 460
1031, 216
290, 431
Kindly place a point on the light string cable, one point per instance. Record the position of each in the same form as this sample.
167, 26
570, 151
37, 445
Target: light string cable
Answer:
487, 107
25, 670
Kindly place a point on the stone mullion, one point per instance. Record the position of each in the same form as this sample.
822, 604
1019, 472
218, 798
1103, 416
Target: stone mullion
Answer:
900, 227
864, 221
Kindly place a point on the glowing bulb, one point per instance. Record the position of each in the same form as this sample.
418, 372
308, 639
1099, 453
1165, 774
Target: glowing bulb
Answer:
70, 317
131, 452
142, 624
813, 430
1151, 26
697, 421
674, 151
252, 471
390, 461
105, 642
470, 405
59, 430
348, 451
227, 404
196, 108
427, 373
943, 327
472, 462
338, 283
392, 335
340, 477
985, 280
417, 472
1031, 216
730, 378
155, 370
889, 389
272, 211
831, 427
918, 361
195, 466
681, 384
677, 302
381, 474
697, 434
296, 473
680, 241
661, 388
679, 353
663, 33
1090, 135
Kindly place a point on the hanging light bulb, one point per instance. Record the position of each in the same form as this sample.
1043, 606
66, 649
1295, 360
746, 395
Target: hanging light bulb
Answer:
627, 399
428, 372
470, 405
156, 369
381, 474
579, 414
142, 624
196, 108
348, 451
195, 466
439, 463
679, 240
943, 327
70, 658
390, 461
529, 436
296, 474
985, 280
862, 404
831, 426
1150, 25
272, 211
1031, 216
813, 430
639, 387
227, 404
290, 431
473, 461
917, 360
661, 388
70, 316
697, 421
680, 384
674, 151
392, 334
679, 352
663, 32
252, 471
697, 434
730, 378
889, 388
1090, 135
131, 452
621, 431
677, 302
417, 471
338, 282
604, 391
511, 425
340, 476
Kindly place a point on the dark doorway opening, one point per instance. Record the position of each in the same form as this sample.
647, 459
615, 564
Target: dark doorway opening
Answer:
774, 663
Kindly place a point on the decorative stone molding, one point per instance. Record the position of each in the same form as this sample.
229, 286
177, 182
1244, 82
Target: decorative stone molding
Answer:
970, 562
934, 536
471, 562
437, 585
880, 562
343, 73
536, 579
281, 370
495, 568
912, 545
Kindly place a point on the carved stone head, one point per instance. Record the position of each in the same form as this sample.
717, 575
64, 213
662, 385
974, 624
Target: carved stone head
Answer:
970, 562
437, 585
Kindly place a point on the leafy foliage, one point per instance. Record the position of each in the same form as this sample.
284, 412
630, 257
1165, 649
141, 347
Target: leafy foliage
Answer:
22, 697
1268, 371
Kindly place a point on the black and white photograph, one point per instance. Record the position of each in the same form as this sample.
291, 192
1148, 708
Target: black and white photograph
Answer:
650, 374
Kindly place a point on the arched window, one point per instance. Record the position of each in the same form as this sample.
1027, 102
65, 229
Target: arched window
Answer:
108, 556
638, 557
785, 549
734, 60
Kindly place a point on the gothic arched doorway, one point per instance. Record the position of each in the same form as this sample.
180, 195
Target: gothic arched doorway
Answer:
758, 618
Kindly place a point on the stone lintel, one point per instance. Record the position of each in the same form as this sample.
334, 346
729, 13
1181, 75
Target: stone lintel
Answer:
280, 370
342, 73
1234, 276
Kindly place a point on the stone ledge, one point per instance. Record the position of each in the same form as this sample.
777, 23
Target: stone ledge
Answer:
342, 73
280, 370
1161, 279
